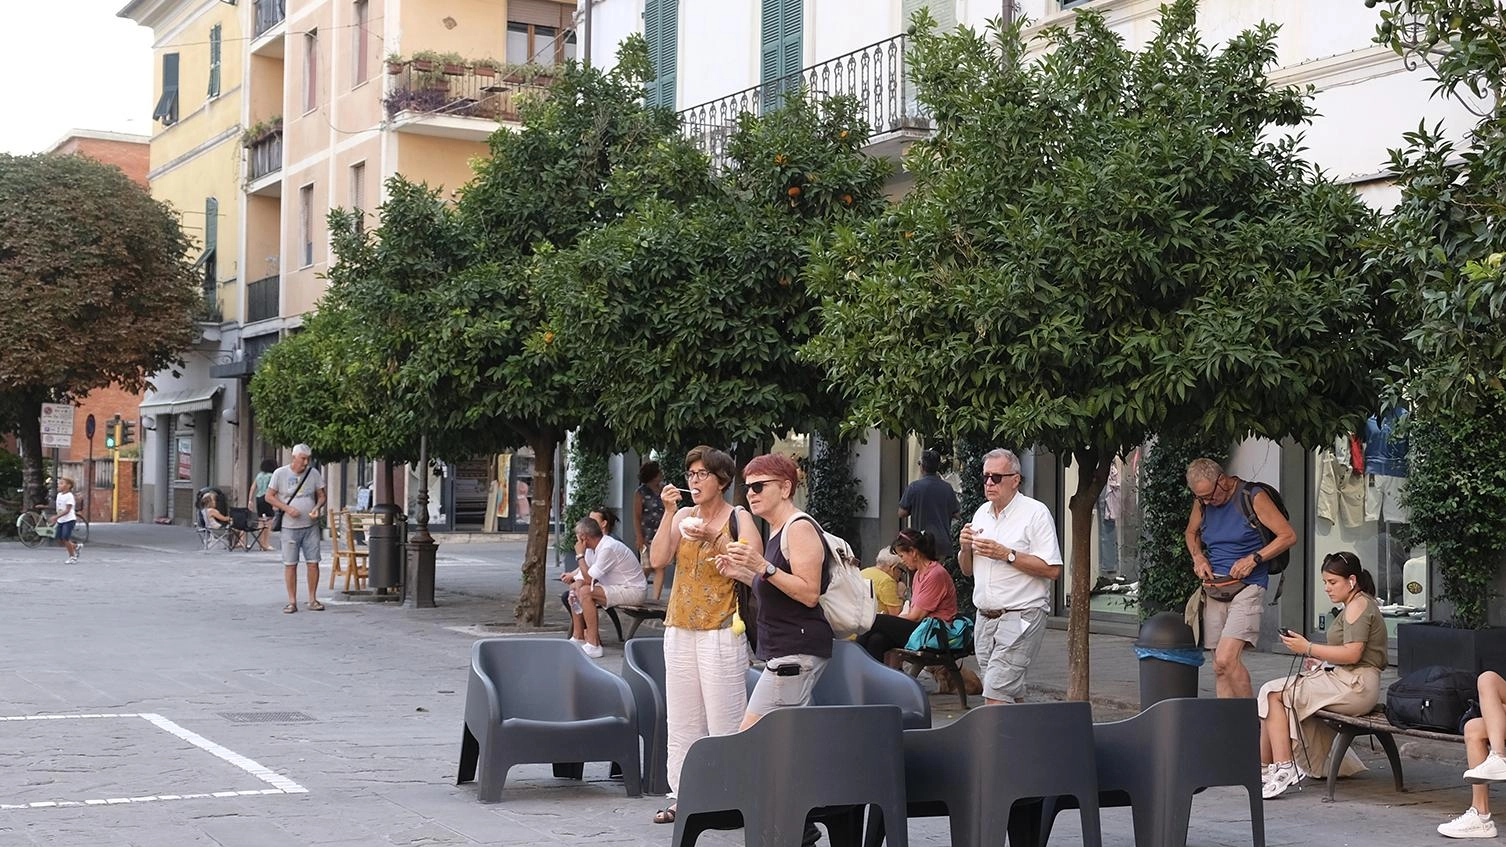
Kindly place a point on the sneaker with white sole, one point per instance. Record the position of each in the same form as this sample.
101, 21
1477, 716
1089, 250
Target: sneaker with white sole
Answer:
1493, 769
1471, 824
1282, 777
72, 560
577, 641
593, 650
78, 550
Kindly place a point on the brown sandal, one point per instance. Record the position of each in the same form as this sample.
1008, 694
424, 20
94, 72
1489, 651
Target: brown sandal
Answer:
315, 606
665, 815
290, 608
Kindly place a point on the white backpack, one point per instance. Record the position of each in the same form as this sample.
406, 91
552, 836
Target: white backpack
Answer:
848, 602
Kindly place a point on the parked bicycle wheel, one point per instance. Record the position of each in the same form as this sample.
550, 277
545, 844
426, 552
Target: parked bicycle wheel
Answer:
26, 529
81, 531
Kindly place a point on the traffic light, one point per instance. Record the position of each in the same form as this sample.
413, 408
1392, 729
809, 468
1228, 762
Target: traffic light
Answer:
127, 432
112, 433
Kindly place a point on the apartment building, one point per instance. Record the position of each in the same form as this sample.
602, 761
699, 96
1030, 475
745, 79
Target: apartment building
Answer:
195, 166
716, 61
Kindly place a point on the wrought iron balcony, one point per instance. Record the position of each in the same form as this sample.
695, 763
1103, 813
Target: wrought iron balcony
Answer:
423, 88
264, 156
876, 76
269, 13
262, 299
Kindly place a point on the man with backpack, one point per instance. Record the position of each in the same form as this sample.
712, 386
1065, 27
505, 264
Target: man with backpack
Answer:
1236, 530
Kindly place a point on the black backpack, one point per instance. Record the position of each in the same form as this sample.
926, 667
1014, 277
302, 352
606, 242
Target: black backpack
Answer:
1434, 698
1276, 564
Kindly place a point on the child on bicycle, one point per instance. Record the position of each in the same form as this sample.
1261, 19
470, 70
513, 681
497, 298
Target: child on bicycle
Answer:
64, 518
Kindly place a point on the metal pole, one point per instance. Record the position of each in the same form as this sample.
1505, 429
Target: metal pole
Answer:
115, 478
418, 587
89, 499
586, 38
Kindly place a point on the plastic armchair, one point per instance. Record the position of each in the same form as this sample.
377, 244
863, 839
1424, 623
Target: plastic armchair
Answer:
1155, 761
854, 678
974, 770
821, 762
643, 669
535, 700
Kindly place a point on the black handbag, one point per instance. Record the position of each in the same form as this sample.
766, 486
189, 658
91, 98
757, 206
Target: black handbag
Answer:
277, 521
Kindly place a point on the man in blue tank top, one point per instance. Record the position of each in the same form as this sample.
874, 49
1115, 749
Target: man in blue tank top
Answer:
1227, 548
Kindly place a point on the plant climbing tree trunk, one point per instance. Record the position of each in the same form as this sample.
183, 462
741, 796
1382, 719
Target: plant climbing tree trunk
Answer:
1093, 474
530, 609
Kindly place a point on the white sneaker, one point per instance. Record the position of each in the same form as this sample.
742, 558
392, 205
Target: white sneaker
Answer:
578, 642
1493, 769
72, 560
1282, 777
1471, 824
593, 650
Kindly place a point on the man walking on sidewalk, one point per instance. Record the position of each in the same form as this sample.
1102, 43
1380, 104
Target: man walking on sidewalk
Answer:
1011, 551
297, 490
931, 504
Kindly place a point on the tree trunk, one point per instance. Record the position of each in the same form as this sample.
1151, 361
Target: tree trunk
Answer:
386, 491
1092, 475
33, 479
530, 610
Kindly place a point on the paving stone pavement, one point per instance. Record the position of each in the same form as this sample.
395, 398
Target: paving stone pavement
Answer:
148, 647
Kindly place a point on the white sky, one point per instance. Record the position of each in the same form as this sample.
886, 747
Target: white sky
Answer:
71, 64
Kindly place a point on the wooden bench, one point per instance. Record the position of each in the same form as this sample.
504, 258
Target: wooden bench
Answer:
1375, 725
950, 660
648, 610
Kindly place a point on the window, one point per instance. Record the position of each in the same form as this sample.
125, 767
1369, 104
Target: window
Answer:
211, 241
537, 44
661, 20
358, 194
306, 226
167, 104
214, 61
360, 49
944, 12
310, 70
783, 34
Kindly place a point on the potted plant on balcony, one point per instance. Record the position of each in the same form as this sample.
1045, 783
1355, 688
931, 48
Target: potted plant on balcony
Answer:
488, 68
1456, 502
395, 64
261, 130
452, 64
425, 61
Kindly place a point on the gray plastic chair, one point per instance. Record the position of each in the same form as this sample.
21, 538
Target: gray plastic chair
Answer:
537, 700
974, 770
821, 762
643, 669
854, 678
1154, 763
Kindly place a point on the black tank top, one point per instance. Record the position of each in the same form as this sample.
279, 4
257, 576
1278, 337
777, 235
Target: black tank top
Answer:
785, 625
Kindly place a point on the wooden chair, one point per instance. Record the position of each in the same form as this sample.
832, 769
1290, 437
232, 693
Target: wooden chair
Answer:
349, 557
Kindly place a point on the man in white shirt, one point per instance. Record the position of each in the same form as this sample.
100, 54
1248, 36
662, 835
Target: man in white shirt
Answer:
1011, 551
608, 574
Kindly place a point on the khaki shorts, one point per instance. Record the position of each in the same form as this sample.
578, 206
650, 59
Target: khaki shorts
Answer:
622, 595
1005, 646
1238, 618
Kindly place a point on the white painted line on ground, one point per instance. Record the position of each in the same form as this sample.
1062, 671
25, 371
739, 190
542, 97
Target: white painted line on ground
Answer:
280, 784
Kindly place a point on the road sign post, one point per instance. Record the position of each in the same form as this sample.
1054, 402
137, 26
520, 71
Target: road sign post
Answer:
57, 432
89, 489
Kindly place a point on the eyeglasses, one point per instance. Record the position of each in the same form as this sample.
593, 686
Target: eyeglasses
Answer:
996, 478
1207, 499
757, 487
697, 476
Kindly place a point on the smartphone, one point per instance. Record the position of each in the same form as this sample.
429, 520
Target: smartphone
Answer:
787, 670
1286, 632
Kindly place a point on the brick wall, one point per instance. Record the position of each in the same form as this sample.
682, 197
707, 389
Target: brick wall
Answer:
131, 157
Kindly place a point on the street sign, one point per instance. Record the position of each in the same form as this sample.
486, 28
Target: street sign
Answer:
89, 427
57, 419
52, 439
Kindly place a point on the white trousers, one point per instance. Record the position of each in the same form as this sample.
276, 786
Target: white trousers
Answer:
705, 691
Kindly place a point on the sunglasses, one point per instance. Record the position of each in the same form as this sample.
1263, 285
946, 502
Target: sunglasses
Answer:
757, 487
996, 478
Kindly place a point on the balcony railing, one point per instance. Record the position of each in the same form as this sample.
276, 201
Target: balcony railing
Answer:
875, 75
261, 299
460, 91
269, 13
264, 157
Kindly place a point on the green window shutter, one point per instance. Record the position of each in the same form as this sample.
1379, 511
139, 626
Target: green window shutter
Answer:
653, 33
214, 61
791, 37
211, 223
667, 58
782, 34
943, 11
769, 48
166, 110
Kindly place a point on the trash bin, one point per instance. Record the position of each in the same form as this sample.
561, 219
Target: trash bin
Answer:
1169, 659
384, 561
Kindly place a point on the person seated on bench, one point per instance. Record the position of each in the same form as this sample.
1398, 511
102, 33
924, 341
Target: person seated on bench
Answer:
1484, 746
887, 575
1342, 676
607, 574
934, 595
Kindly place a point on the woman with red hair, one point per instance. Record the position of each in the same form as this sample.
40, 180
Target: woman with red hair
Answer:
794, 639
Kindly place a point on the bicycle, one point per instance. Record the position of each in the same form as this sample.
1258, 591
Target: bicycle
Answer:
32, 527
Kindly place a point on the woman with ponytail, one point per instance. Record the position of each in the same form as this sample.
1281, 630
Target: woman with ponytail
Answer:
1342, 676
934, 594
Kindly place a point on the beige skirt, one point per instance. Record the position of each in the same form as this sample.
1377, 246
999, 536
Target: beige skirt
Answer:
1348, 690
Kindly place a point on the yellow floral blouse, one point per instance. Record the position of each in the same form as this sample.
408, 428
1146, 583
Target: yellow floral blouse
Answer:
701, 598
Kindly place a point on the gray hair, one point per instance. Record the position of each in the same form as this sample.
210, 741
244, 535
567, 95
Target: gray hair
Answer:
588, 527
887, 558
1205, 470
302, 450
1006, 455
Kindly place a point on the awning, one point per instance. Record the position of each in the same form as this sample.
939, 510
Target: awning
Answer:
187, 400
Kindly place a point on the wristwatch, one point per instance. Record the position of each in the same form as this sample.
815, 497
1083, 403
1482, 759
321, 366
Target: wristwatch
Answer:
769, 570
1259, 560
1011, 557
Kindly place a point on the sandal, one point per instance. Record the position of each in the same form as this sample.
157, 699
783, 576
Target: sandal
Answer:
665, 815
315, 606
290, 608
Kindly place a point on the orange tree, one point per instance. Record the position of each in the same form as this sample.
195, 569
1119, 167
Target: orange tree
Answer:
96, 286
1101, 245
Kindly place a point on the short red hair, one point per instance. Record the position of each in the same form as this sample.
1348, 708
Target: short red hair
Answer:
774, 465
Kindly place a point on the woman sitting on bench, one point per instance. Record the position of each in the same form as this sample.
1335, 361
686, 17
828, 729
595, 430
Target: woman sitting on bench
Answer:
1342, 676
934, 595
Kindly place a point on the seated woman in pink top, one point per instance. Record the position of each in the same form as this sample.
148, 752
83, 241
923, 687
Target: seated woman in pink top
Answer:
932, 594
